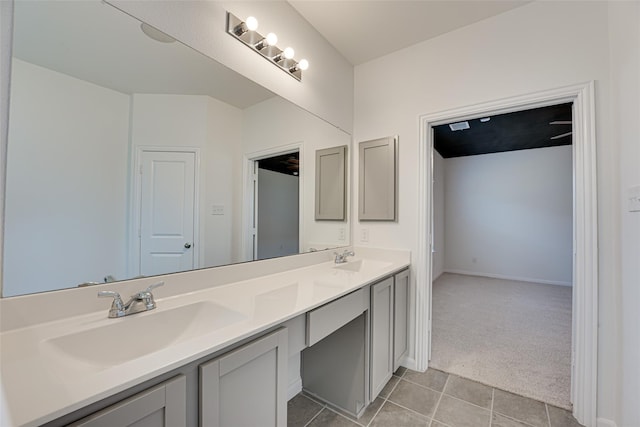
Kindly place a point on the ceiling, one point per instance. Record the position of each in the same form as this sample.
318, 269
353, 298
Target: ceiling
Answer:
520, 130
95, 42
363, 30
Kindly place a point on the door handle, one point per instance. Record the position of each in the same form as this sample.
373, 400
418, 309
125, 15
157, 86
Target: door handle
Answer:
187, 245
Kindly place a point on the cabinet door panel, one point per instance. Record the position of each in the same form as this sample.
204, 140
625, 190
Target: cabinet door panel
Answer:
381, 335
401, 321
377, 183
246, 387
160, 406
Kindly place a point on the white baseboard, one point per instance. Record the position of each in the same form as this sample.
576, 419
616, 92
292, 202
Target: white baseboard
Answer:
603, 422
506, 277
295, 387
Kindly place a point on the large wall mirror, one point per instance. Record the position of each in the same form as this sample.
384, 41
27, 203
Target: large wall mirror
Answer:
131, 154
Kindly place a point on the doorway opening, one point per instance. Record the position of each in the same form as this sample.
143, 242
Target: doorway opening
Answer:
585, 247
502, 251
274, 204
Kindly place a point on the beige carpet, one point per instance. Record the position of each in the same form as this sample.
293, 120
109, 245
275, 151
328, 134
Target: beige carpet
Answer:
511, 335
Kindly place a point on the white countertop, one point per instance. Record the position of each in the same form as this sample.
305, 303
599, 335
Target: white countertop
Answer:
40, 384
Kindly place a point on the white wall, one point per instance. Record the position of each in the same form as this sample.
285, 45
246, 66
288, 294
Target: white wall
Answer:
67, 165
215, 128
277, 122
624, 22
326, 88
509, 215
278, 214
539, 46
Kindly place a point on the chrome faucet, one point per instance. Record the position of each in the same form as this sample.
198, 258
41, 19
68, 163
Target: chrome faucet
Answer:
140, 301
342, 258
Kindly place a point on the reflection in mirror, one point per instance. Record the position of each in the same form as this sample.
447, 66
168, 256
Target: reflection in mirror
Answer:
130, 155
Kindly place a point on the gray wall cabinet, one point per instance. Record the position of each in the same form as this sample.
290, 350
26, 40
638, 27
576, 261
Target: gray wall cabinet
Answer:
248, 386
160, 406
377, 179
331, 184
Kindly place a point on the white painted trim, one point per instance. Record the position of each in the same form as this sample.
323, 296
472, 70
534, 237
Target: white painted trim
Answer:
603, 422
247, 193
585, 266
507, 277
133, 267
294, 388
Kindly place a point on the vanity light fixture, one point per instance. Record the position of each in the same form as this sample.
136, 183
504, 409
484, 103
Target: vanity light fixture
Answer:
246, 32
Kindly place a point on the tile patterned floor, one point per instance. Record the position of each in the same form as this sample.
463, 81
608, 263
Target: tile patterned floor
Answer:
435, 399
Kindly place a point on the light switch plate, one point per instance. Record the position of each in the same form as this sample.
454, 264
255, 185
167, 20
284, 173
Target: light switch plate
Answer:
633, 195
217, 209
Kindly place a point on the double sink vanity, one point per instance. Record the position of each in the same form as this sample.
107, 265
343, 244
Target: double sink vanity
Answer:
225, 346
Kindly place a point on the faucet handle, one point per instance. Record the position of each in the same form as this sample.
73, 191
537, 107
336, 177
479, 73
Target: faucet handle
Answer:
153, 286
147, 296
117, 307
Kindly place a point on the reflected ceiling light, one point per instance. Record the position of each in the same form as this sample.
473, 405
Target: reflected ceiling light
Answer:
485, 119
245, 31
459, 126
155, 34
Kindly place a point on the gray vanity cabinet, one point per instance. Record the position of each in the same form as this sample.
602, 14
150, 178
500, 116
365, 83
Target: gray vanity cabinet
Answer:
389, 329
248, 386
161, 406
382, 331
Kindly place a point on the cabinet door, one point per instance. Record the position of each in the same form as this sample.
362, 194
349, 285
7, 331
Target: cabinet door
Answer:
160, 406
331, 184
248, 386
377, 183
381, 335
401, 318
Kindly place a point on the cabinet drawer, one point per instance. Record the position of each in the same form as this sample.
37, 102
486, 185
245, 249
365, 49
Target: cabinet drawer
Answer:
332, 316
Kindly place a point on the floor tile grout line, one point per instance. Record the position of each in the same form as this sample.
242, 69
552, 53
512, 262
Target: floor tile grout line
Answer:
410, 410
435, 409
513, 419
493, 393
424, 386
546, 408
377, 412
465, 401
315, 416
344, 416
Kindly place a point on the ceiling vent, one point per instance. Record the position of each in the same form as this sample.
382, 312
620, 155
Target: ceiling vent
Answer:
459, 126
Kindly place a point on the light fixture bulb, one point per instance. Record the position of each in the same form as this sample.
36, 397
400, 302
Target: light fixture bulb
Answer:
251, 23
303, 64
271, 39
288, 53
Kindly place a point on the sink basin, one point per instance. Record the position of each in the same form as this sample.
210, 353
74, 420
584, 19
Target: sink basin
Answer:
134, 336
363, 265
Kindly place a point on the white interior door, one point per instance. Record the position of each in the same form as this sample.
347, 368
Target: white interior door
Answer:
167, 212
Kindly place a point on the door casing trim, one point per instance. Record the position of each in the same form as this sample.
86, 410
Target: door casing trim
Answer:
585, 232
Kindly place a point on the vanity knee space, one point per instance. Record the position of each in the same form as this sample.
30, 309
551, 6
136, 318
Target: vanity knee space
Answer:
356, 343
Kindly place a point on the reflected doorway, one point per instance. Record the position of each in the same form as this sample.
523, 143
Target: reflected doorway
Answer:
276, 205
